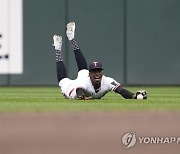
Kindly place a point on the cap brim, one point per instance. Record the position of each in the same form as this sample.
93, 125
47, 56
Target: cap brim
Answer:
97, 68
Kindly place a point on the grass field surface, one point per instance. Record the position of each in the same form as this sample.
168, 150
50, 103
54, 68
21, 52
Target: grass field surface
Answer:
49, 99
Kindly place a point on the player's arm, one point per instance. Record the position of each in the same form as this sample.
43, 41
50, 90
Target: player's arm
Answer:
125, 93
118, 88
141, 94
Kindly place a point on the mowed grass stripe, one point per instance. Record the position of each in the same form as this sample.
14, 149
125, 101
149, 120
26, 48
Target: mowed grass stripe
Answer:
49, 99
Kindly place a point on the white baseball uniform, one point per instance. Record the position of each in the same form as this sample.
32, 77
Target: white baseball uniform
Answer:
68, 86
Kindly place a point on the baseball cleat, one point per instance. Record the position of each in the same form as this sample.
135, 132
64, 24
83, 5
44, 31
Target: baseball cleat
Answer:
70, 30
57, 42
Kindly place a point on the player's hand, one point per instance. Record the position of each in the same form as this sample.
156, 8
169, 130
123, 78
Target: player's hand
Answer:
84, 98
80, 97
80, 93
141, 94
88, 98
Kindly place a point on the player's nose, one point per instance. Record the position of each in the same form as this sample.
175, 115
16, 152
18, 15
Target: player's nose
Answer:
97, 74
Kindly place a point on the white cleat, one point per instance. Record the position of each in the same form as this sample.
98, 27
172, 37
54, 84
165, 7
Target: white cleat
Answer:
70, 30
57, 42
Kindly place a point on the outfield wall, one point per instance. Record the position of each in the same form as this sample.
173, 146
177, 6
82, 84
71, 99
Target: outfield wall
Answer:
136, 40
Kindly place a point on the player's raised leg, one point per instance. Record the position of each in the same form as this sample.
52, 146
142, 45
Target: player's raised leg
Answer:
60, 67
80, 59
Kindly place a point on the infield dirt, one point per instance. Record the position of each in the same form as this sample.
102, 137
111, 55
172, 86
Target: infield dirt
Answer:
86, 133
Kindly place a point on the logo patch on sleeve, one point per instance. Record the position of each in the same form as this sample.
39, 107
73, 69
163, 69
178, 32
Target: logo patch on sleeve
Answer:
114, 83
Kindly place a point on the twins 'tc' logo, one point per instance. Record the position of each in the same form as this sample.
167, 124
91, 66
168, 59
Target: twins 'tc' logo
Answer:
129, 139
95, 63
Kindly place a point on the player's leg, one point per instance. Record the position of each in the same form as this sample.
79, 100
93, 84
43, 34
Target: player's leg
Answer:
80, 59
60, 67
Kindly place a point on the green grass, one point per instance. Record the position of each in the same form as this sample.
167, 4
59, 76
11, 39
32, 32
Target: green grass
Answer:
49, 99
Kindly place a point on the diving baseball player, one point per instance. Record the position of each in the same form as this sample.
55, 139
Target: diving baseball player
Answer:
91, 83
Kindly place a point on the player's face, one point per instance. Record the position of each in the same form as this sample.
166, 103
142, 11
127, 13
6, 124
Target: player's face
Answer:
96, 76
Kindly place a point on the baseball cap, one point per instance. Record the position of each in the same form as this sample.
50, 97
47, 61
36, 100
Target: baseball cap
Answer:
95, 65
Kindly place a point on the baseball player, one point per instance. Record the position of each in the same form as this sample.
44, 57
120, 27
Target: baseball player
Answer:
91, 83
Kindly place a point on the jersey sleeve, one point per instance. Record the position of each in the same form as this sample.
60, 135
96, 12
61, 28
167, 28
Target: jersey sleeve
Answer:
112, 84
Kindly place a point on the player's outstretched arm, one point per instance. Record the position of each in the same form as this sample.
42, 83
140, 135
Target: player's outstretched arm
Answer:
142, 94
125, 93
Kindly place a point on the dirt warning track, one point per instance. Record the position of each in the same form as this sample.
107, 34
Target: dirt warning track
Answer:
86, 133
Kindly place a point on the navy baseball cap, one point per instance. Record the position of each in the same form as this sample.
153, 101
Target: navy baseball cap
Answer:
95, 65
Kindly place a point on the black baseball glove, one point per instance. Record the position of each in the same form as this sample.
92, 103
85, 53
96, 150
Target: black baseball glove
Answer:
141, 94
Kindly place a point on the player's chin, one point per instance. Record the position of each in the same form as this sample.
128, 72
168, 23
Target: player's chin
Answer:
97, 80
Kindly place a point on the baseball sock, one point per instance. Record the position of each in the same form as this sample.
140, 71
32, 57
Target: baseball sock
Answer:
60, 67
80, 59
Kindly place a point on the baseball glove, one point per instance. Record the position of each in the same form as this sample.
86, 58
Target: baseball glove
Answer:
141, 94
